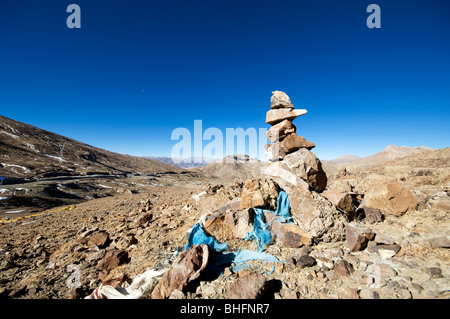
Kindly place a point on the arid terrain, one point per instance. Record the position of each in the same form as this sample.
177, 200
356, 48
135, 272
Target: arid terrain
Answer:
102, 216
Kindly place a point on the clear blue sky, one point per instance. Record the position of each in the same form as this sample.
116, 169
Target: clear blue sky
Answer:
136, 70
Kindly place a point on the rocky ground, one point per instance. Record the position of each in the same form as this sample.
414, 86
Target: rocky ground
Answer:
38, 257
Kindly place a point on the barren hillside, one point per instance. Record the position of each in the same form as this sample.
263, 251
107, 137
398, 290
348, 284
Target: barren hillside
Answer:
29, 152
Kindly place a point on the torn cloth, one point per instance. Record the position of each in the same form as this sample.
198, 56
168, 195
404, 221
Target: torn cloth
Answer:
198, 236
261, 232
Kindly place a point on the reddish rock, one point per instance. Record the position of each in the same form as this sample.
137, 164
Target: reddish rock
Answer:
143, 218
279, 131
252, 286
185, 269
289, 234
390, 198
343, 201
357, 237
343, 268
308, 167
373, 247
293, 142
100, 239
113, 258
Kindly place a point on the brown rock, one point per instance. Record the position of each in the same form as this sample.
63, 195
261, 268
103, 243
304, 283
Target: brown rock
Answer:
374, 247
440, 242
275, 116
126, 241
434, 272
343, 201
240, 222
293, 142
289, 234
312, 212
113, 258
308, 167
143, 218
100, 239
381, 272
280, 99
185, 269
343, 268
305, 261
389, 197
279, 131
357, 237
216, 226
260, 193
315, 215
349, 293
372, 215
366, 293
252, 286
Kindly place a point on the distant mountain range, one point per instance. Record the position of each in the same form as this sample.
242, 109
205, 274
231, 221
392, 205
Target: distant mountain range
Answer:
355, 163
182, 162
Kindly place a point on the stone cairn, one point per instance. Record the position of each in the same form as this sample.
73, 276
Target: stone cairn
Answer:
299, 172
283, 134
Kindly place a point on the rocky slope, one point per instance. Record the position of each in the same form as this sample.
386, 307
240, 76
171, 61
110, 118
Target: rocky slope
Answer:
28, 152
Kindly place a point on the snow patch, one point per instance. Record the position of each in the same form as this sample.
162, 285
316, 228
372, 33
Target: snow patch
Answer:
26, 170
104, 186
14, 211
55, 157
9, 134
32, 147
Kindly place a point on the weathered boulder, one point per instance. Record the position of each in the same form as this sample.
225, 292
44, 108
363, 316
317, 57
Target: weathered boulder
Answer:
251, 286
315, 214
312, 212
280, 99
289, 234
185, 269
275, 116
307, 166
343, 201
216, 226
389, 197
260, 193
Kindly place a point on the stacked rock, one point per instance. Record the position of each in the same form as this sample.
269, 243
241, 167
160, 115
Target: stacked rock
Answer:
283, 134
